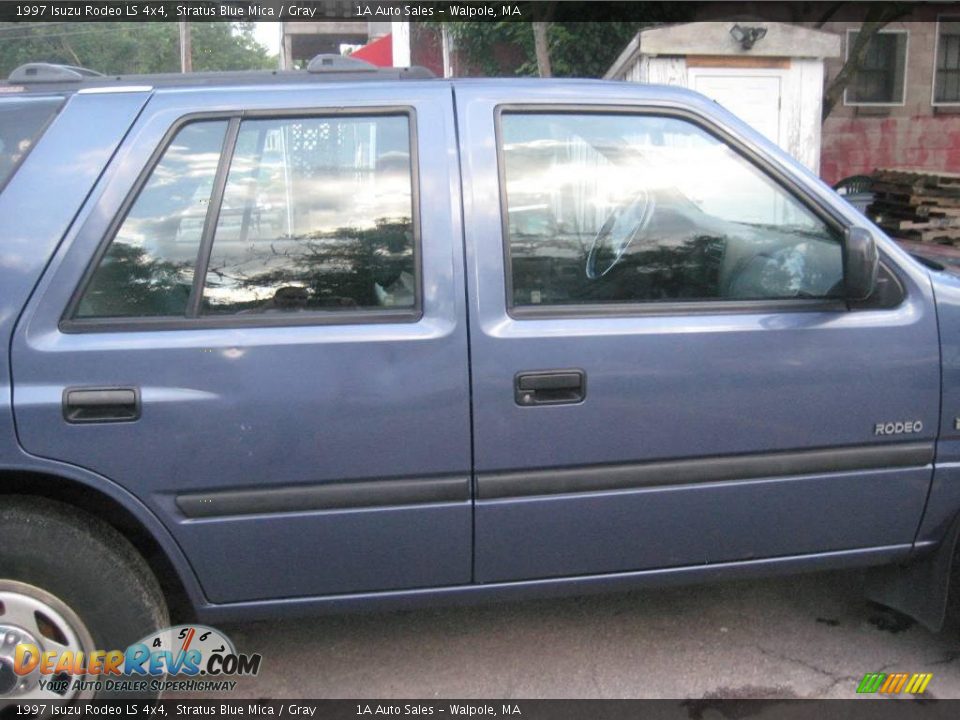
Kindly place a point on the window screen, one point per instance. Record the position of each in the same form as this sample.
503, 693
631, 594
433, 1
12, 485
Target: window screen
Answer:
946, 81
880, 80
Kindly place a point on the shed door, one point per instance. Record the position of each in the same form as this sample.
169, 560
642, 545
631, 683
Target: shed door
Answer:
753, 97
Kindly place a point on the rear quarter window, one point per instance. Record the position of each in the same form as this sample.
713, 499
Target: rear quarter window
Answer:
22, 121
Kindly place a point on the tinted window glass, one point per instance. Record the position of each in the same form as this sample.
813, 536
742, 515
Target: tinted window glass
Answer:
148, 268
22, 121
317, 215
619, 208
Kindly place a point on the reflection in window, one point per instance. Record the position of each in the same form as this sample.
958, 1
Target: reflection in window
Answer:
620, 208
148, 268
22, 120
317, 215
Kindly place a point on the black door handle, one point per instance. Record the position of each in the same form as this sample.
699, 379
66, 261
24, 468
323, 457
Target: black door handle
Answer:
92, 405
550, 387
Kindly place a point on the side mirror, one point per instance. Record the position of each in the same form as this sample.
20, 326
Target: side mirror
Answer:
861, 262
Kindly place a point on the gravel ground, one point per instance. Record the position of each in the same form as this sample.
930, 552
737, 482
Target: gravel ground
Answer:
809, 636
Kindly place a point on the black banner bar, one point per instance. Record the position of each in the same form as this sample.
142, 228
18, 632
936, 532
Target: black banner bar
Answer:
297, 10
706, 709
43, 11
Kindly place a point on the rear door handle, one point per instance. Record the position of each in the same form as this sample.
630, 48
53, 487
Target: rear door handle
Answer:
93, 405
550, 387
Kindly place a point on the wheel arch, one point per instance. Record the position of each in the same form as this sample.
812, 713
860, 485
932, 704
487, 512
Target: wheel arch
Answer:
127, 516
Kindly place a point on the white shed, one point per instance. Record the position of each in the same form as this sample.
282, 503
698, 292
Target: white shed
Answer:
769, 74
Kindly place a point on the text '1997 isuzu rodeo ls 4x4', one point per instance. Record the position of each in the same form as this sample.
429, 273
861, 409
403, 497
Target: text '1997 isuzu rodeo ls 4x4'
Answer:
303, 342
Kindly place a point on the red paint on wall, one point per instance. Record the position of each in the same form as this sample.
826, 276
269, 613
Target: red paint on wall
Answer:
426, 48
857, 146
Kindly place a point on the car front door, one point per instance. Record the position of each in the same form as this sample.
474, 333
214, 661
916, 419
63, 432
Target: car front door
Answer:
666, 371
257, 328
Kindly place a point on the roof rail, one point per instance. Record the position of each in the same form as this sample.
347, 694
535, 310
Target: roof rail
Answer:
50, 72
331, 62
52, 78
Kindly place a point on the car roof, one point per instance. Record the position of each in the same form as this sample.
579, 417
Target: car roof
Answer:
65, 80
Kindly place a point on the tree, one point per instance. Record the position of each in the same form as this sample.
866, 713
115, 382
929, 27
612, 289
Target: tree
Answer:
568, 49
556, 44
542, 48
131, 48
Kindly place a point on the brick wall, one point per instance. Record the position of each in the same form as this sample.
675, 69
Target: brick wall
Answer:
426, 48
856, 146
856, 140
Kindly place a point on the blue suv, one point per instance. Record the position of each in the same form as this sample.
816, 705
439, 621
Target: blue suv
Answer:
281, 343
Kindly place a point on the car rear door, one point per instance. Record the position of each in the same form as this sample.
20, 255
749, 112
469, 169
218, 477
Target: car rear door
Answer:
664, 371
257, 328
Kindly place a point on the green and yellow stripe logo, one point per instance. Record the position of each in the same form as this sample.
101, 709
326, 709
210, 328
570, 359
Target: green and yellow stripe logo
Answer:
895, 683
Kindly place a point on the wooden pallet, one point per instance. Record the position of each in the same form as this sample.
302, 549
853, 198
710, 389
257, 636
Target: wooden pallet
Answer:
932, 224
905, 196
918, 178
917, 205
901, 212
939, 235
919, 213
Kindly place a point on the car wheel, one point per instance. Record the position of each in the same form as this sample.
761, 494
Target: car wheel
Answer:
68, 581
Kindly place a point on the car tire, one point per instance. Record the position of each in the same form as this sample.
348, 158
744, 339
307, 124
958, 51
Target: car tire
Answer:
68, 579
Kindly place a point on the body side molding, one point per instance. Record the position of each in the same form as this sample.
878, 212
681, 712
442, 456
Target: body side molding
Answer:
701, 470
325, 496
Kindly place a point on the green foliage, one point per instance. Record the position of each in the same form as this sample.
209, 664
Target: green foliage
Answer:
131, 48
577, 49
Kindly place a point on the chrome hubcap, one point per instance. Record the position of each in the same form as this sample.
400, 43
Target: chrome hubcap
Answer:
8, 678
32, 616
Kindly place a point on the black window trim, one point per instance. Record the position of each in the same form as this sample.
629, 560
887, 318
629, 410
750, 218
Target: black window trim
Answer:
38, 136
212, 218
71, 324
828, 215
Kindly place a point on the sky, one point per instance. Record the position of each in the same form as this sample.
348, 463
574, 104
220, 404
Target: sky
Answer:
268, 33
